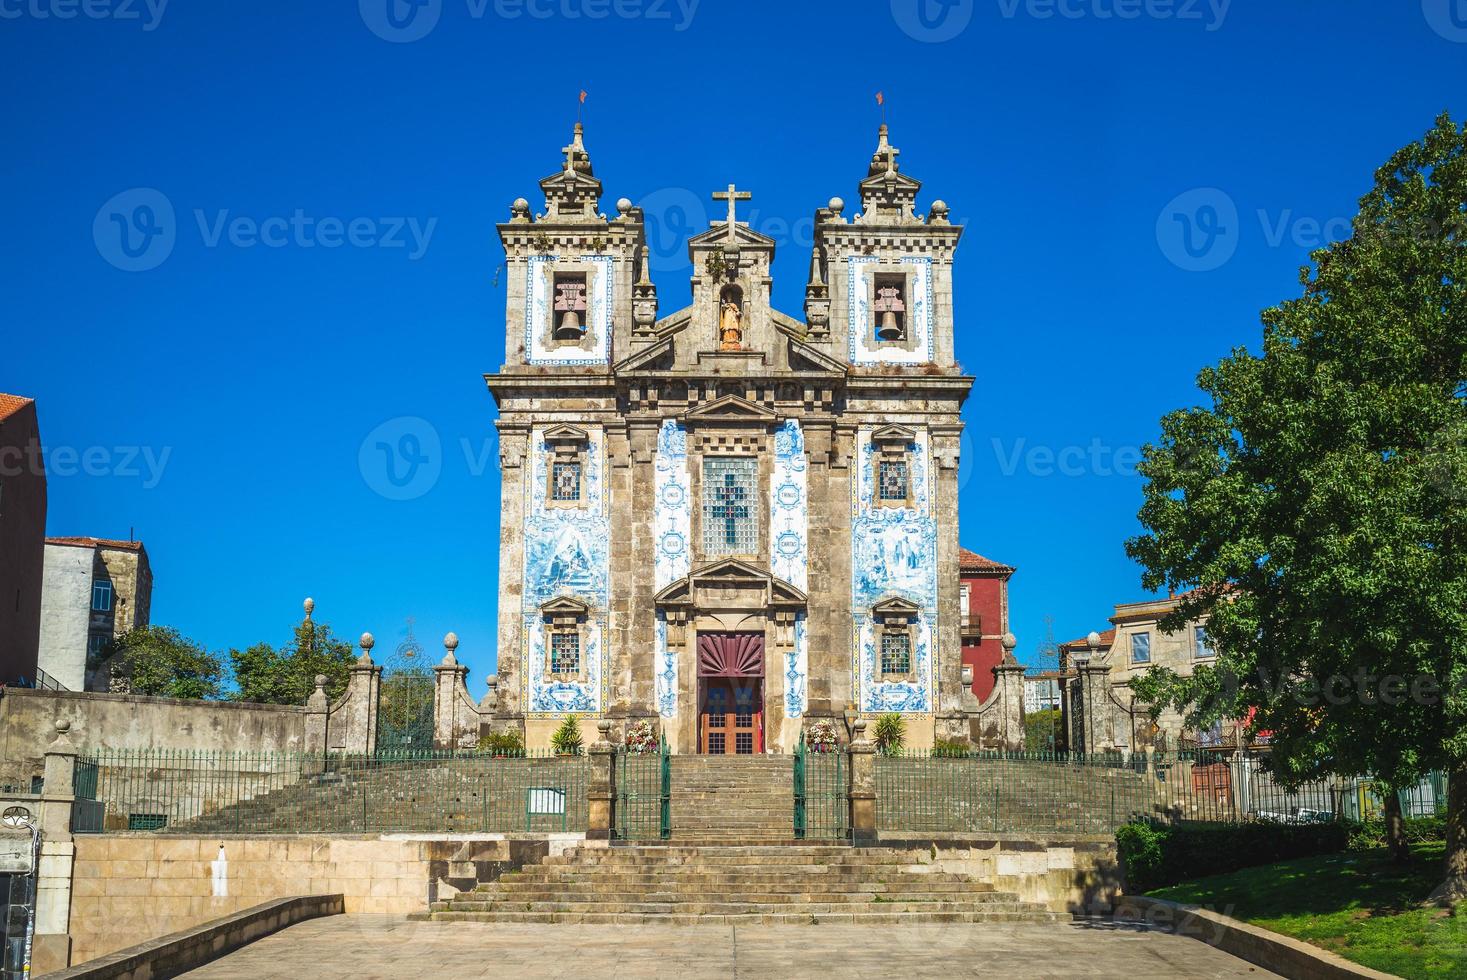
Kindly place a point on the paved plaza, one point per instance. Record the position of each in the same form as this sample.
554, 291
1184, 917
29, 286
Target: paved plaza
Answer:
361, 947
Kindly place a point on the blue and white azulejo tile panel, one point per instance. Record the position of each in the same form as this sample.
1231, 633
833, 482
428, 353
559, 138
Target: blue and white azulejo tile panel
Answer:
673, 508
789, 539
862, 329
538, 312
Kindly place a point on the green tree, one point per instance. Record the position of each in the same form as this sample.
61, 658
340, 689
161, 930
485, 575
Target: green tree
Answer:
265, 675
161, 662
1042, 730
1319, 504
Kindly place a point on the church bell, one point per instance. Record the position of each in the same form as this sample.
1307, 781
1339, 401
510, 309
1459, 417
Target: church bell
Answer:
570, 326
888, 328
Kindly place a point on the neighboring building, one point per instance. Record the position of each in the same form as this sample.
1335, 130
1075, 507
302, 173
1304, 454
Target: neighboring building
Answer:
1135, 643
22, 537
1042, 692
728, 520
95, 590
983, 598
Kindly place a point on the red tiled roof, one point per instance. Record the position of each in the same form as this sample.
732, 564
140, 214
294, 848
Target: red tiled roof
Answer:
10, 404
970, 561
1107, 638
97, 543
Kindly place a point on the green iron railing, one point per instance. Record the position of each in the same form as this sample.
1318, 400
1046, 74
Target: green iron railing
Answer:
181, 791
821, 794
992, 791
644, 794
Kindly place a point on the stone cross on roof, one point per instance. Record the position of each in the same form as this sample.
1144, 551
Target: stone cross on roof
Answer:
733, 195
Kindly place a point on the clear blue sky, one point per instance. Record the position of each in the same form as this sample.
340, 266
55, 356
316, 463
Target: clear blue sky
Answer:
1062, 132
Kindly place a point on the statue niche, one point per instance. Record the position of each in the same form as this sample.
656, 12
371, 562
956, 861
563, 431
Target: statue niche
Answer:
731, 318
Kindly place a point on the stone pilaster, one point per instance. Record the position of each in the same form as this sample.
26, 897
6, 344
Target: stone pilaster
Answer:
450, 698
351, 726
51, 949
948, 664
514, 470
601, 790
1095, 690
863, 786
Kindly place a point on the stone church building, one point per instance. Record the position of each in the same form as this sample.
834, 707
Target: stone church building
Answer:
726, 519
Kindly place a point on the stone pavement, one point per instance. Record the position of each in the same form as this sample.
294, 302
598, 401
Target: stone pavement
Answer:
362, 947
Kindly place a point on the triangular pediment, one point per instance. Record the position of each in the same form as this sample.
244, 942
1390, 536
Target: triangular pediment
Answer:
565, 433
896, 606
564, 605
729, 571
571, 180
731, 408
894, 179
718, 235
894, 433
736, 573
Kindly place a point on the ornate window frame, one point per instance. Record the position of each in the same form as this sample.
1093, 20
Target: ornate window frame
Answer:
565, 615
567, 444
895, 616
882, 273
554, 270
892, 444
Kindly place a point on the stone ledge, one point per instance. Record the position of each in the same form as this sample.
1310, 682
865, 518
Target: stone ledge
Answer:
1270, 950
227, 706
171, 955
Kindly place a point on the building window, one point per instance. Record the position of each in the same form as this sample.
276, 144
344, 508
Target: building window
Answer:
96, 647
565, 653
893, 480
565, 480
965, 604
896, 653
570, 307
890, 308
1204, 648
730, 519
1141, 648
101, 596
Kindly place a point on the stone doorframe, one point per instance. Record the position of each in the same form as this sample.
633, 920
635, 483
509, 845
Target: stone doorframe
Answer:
732, 596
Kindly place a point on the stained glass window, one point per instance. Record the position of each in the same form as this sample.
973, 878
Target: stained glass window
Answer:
893, 479
730, 506
565, 480
896, 653
565, 653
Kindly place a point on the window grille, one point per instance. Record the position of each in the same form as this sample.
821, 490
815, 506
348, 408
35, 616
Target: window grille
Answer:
565, 653
893, 479
565, 480
896, 653
730, 514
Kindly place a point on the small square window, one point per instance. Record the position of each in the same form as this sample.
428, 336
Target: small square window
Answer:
101, 596
893, 479
1141, 648
1204, 647
565, 480
565, 653
896, 653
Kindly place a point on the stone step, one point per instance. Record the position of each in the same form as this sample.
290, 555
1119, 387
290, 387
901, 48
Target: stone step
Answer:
762, 892
876, 915
644, 907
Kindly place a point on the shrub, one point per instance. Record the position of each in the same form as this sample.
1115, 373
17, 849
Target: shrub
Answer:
1155, 856
889, 734
507, 742
567, 738
1371, 834
951, 748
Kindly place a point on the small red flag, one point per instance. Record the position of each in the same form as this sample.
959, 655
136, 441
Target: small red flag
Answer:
583, 96
880, 98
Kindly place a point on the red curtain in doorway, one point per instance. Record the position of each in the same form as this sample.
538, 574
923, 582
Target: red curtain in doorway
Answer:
730, 655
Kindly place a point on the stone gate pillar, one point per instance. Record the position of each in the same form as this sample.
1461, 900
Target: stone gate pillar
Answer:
351, 726
601, 791
51, 949
450, 690
863, 786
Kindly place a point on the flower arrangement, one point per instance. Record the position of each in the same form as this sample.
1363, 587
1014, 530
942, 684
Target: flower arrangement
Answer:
642, 737
821, 737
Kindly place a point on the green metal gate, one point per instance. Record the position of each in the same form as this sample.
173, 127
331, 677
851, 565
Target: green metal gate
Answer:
405, 701
822, 808
644, 794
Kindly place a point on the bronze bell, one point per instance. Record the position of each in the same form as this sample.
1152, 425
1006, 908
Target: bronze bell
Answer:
889, 328
570, 326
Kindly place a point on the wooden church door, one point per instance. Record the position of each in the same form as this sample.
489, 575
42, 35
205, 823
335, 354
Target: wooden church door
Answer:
731, 708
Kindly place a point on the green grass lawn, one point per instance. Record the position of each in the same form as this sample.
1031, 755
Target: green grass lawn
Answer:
1356, 904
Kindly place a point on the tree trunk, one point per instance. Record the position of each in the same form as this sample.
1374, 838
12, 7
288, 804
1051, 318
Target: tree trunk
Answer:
1453, 890
1395, 828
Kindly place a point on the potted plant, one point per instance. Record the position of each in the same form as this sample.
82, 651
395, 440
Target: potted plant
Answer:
566, 739
889, 733
642, 737
820, 737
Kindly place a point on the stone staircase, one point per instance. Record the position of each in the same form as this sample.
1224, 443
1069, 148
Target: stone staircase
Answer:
681, 884
725, 798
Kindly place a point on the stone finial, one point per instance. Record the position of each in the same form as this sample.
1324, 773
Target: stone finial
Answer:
320, 682
366, 642
519, 210
937, 214
310, 606
624, 206
836, 206
1009, 642
450, 642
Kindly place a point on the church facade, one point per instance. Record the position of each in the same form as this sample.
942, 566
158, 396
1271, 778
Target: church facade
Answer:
727, 520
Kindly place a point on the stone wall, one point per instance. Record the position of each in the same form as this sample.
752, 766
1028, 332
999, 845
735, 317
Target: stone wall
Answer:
66, 612
1073, 874
117, 721
133, 887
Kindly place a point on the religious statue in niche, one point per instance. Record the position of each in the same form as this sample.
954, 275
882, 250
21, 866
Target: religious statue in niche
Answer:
731, 320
